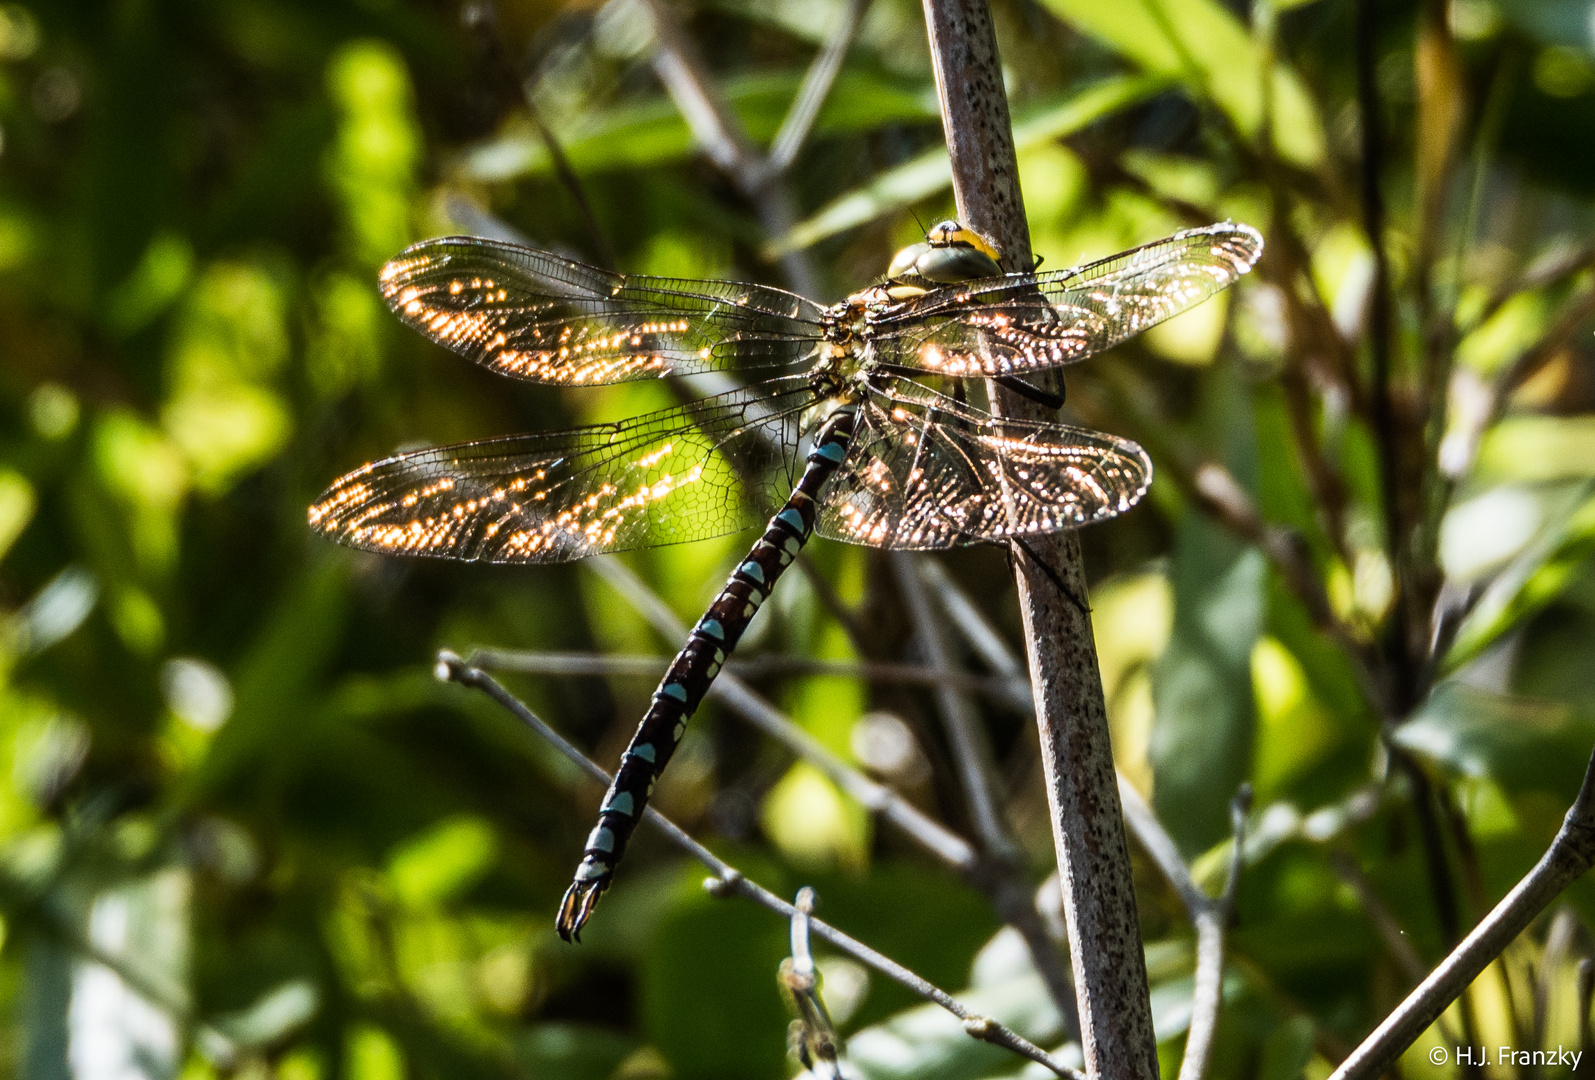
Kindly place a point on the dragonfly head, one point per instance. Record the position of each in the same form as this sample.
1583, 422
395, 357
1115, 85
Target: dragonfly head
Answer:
948, 253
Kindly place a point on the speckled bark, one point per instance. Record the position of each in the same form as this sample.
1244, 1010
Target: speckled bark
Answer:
1082, 790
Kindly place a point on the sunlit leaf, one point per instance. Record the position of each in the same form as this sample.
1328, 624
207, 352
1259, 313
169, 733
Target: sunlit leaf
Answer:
1531, 582
16, 507
930, 172
1537, 448
442, 862
276, 1013
1200, 43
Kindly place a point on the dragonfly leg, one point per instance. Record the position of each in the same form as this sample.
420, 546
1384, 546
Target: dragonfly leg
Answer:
1058, 583
1030, 392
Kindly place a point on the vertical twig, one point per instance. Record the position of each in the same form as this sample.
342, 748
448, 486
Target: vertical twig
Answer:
1077, 757
1380, 316
1558, 942
813, 1036
971, 751
1212, 919
722, 137
1586, 991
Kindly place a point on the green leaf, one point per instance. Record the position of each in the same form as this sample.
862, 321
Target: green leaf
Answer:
1529, 584
1523, 745
931, 172
561, 1051
929, 1042
1204, 712
709, 999
644, 134
1202, 684
1202, 44
1539, 448
443, 862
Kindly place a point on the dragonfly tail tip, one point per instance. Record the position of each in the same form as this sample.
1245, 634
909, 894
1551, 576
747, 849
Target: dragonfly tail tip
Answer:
577, 907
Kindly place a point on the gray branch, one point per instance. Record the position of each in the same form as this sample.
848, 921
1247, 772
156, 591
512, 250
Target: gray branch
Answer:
1071, 716
538, 662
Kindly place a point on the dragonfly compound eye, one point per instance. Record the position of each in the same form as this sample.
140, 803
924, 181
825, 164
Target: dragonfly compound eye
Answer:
958, 262
906, 262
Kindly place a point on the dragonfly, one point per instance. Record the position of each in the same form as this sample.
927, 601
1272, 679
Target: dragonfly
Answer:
854, 421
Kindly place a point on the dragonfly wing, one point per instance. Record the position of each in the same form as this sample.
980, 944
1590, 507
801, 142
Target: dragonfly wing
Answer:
1029, 322
706, 469
534, 315
925, 471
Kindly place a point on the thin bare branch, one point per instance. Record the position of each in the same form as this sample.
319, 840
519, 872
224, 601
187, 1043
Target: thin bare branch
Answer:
966, 738
816, 87
1160, 846
1568, 857
971, 622
729, 881
752, 667
813, 1035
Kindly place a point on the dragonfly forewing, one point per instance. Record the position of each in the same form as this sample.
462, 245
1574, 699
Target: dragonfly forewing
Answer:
534, 315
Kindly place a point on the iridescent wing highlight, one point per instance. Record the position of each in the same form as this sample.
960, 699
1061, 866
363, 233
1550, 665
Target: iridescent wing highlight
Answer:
925, 471
706, 469
1029, 322
534, 315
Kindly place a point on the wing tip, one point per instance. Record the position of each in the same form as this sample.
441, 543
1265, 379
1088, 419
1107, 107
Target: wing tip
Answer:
1242, 243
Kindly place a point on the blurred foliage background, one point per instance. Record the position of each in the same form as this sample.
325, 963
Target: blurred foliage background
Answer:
243, 830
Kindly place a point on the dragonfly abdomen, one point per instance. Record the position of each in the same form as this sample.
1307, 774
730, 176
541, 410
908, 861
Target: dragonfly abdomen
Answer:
693, 671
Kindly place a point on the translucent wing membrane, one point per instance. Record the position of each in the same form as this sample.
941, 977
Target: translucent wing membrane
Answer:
925, 471
534, 315
1027, 322
713, 467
